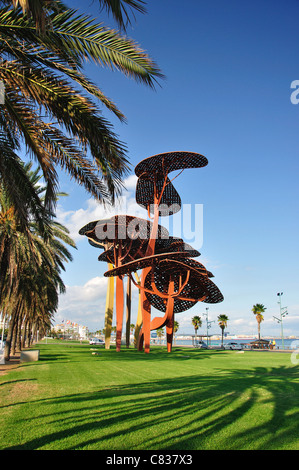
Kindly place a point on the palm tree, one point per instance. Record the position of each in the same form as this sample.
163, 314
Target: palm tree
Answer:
30, 266
222, 321
160, 333
258, 310
51, 107
175, 328
34, 299
196, 322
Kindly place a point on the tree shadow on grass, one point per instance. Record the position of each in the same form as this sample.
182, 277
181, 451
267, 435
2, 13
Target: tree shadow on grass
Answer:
255, 408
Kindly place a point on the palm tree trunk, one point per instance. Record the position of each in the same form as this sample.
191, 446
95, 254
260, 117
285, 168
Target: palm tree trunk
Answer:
19, 336
7, 348
14, 336
32, 331
24, 335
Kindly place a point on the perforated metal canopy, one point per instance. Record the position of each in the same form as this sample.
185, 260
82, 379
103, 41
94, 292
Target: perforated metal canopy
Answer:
136, 249
164, 163
144, 262
198, 288
153, 180
121, 227
170, 202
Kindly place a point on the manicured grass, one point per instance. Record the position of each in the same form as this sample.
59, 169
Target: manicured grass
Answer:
187, 400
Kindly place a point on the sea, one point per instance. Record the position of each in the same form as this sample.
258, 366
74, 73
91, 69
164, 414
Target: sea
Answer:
289, 344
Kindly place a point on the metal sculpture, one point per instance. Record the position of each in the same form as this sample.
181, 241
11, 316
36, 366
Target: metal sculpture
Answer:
156, 193
171, 280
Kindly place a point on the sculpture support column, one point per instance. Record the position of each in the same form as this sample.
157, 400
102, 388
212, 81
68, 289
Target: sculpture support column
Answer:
146, 323
146, 307
139, 317
119, 310
170, 316
109, 309
128, 312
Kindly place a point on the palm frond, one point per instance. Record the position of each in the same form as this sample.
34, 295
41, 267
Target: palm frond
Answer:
75, 38
80, 118
38, 10
105, 46
119, 10
20, 191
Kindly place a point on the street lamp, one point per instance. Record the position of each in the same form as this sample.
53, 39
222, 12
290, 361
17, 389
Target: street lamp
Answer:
209, 323
283, 313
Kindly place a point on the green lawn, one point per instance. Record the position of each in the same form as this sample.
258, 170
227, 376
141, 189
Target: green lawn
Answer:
186, 400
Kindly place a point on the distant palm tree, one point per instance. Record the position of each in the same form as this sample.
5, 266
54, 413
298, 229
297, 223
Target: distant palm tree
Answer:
160, 333
196, 322
222, 320
258, 310
175, 329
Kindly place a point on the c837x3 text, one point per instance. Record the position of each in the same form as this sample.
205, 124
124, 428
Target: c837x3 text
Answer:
154, 459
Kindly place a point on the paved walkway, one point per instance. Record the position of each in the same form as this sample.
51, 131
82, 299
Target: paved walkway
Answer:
13, 363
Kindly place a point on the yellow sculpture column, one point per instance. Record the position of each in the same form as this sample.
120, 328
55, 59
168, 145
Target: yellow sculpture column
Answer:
109, 309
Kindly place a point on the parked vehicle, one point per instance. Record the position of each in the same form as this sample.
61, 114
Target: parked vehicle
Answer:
233, 345
96, 341
201, 344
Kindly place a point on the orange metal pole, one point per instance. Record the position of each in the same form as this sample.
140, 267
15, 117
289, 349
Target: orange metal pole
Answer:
170, 316
169, 332
146, 307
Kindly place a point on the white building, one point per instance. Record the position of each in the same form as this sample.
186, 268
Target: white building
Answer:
72, 329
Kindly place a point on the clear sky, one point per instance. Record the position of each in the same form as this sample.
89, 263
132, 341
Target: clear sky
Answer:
229, 68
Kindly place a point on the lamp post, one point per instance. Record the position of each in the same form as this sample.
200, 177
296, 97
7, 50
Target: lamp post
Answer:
283, 312
209, 323
3, 328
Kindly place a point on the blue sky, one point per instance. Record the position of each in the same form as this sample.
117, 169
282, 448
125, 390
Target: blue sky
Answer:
229, 68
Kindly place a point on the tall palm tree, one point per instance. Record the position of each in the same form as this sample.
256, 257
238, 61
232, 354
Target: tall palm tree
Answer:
51, 107
196, 322
34, 298
258, 310
30, 266
222, 321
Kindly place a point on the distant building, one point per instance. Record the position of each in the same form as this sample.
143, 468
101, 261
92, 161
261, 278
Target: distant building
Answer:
71, 329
